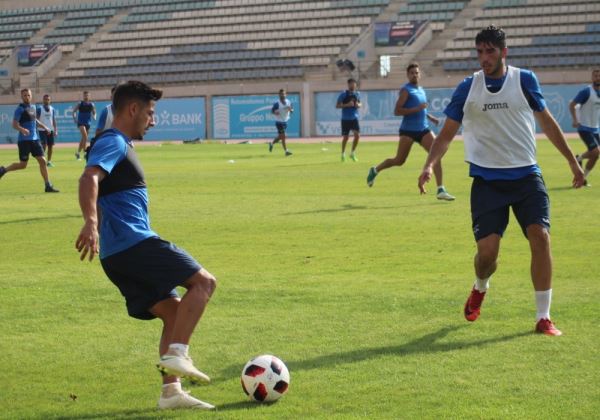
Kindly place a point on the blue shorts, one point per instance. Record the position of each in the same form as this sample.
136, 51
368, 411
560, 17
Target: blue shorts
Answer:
491, 200
87, 126
350, 125
27, 147
281, 127
148, 273
46, 138
591, 140
416, 136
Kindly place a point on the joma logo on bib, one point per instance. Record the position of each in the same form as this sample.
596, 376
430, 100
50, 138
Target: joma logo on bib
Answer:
500, 105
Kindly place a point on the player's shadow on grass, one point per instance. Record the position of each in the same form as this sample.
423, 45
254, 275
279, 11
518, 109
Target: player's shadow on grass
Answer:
41, 219
352, 207
563, 188
423, 345
144, 413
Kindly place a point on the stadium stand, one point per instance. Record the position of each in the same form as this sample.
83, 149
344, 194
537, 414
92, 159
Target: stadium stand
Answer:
179, 42
543, 34
17, 26
189, 42
439, 12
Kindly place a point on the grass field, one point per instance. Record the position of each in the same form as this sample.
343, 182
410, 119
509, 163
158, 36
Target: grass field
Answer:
360, 291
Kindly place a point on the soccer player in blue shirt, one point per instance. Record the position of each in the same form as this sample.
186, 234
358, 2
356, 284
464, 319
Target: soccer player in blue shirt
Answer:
349, 102
412, 105
26, 123
106, 116
144, 267
83, 113
587, 122
497, 107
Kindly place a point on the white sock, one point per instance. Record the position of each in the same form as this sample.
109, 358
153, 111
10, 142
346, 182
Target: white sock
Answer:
179, 349
441, 188
542, 302
170, 389
481, 284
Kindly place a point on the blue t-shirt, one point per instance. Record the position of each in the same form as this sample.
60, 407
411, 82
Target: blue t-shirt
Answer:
581, 98
84, 112
102, 119
416, 97
345, 97
533, 94
125, 221
25, 115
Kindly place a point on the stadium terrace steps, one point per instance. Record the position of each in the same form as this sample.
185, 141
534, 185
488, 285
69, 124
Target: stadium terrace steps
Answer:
550, 34
428, 56
50, 80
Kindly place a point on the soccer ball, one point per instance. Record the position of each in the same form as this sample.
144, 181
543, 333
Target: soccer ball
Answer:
265, 378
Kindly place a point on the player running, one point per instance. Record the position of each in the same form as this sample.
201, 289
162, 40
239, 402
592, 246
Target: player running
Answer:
25, 122
83, 113
106, 116
587, 123
349, 102
46, 114
282, 109
144, 267
412, 105
496, 107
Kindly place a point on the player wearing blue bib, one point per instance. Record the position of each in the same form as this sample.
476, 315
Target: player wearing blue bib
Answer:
496, 107
144, 267
26, 123
83, 113
349, 102
412, 105
587, 122
47, 115
282, 109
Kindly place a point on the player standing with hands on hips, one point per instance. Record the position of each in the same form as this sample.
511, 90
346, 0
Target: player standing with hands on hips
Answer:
412, 106
587, 123
497, 107
47, 115
349, 102
83, 113
145, 268
282, 109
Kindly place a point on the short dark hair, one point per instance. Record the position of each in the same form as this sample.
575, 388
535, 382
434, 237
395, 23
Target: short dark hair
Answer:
493, 36
281, 90
85, 91
25, 90
134, 90
350, 80
46, 96
112, 89
412, 66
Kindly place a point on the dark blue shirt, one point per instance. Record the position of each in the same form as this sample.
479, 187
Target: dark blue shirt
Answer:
25, 115
533, 93
125, 221
345, 97
84, 112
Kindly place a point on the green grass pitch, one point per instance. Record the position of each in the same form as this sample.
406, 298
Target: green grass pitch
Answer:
359, 290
